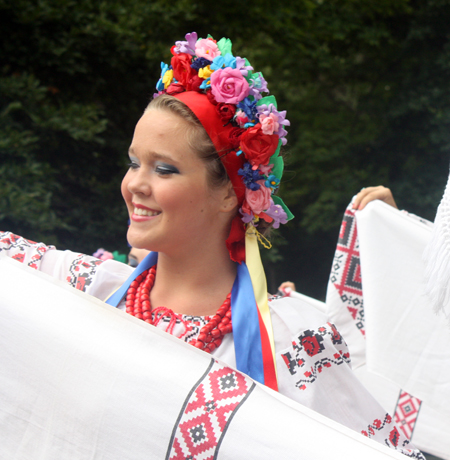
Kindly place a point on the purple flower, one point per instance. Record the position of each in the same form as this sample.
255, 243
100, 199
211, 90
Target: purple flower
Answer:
246, 218
187, 46
277, 213
240, 65
267, 110
250, 177
258, 85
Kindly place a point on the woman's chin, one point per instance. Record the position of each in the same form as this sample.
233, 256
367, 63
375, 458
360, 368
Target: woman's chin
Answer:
138, 241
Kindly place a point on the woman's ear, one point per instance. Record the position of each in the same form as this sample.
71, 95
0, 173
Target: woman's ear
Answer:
229, 198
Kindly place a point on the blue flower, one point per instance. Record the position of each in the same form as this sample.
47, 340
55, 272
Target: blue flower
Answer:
250, 176
249, 107
200, 62
206, 84
272, 182
160, 84
220, 62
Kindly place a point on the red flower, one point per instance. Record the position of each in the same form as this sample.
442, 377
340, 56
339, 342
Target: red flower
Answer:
258, 147
211, 97
182, 70
194, 83
234, 137
175, 88
225, 111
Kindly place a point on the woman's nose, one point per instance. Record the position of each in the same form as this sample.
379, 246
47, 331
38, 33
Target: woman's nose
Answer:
139, 182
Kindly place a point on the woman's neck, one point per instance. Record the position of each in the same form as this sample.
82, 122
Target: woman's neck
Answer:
193, 285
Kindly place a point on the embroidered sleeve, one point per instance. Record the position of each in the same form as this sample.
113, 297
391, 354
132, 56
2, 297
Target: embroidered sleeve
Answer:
22, 250
82, 271
77, 269
309, 357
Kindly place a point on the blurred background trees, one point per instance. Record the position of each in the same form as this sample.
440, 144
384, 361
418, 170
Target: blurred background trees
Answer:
365, 84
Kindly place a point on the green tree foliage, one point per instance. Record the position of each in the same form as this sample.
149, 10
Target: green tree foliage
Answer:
364, 83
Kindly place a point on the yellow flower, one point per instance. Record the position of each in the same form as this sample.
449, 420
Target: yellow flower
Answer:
167, 79
205, 73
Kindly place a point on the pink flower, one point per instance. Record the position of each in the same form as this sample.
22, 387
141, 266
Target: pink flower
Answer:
241, 118
257, 200
102, 254
265, 169
207, 48
269, 123
229, 86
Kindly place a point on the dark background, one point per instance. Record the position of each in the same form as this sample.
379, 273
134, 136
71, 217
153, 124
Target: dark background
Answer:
365, 84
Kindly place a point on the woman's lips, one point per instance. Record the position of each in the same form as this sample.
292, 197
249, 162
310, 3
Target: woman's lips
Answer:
141, 213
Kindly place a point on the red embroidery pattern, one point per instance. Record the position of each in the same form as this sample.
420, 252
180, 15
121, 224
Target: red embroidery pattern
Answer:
346, 269
207, 412
393, 438
407, 412
23, 249
82, 270
379, 425
302, 361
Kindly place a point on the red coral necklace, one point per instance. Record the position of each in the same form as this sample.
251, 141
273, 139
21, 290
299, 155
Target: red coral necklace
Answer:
138, 304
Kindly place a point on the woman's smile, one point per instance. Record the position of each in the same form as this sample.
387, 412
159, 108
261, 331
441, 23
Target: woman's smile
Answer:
140, 213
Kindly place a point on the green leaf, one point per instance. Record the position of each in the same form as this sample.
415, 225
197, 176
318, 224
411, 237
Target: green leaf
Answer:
267, 100
278, 200
278, 163
224, 45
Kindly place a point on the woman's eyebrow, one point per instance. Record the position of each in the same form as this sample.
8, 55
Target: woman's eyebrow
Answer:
162, 156
157, 156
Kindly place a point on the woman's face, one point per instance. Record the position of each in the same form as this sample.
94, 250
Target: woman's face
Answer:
170, 204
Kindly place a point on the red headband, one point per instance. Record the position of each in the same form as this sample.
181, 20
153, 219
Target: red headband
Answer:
221, 135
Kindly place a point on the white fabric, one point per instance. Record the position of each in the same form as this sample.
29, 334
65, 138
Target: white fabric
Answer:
82, 380
407, 345
321, 306
437, 258
312, 359
407, 342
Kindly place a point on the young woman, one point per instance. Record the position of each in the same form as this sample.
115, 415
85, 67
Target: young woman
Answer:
204, 169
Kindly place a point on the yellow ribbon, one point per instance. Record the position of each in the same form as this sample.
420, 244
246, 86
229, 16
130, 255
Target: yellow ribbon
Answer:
258, 277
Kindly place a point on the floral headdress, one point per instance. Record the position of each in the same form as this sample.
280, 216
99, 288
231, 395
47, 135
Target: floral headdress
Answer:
246, 128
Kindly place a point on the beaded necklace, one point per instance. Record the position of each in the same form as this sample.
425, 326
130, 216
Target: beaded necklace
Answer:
138, 304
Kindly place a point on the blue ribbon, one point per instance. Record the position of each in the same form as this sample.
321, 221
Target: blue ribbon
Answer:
246, 332
244, 313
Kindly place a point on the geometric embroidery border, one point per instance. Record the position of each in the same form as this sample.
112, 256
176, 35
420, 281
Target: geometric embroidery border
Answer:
407, 412
345, 272
207, 413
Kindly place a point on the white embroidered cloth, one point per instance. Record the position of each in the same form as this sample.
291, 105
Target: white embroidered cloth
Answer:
82, 380
437, 257
376, 297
